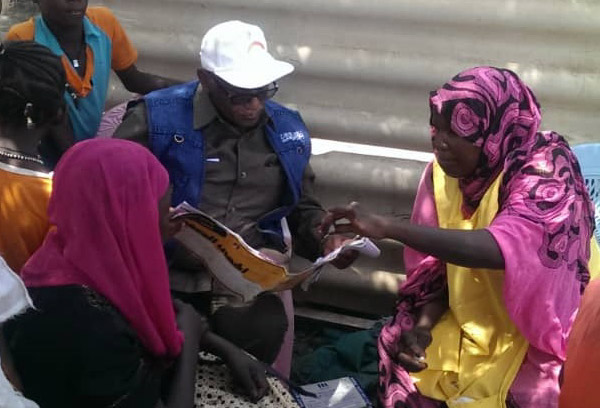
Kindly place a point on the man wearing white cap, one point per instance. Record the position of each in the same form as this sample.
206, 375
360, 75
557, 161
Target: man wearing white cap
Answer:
243, 159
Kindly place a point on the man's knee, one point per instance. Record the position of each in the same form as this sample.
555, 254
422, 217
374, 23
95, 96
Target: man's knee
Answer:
258, 328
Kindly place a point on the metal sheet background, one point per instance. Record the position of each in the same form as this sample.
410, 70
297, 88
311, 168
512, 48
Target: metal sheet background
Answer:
363, 72
364, 68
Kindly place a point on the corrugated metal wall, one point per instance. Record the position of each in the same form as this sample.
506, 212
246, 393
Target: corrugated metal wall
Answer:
363, 73
364, 67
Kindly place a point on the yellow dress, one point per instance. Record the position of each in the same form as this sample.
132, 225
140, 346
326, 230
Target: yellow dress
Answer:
476, 350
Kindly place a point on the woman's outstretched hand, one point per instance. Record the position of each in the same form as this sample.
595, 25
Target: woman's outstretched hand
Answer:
360, 222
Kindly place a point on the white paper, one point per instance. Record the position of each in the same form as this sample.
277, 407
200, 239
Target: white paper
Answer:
363, 245
340, 393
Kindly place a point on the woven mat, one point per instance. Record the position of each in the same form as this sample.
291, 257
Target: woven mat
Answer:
214, 388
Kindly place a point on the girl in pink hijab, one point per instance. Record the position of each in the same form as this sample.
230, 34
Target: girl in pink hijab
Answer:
105, 332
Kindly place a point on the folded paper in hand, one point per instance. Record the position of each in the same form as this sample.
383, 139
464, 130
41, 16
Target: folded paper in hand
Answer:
240, 268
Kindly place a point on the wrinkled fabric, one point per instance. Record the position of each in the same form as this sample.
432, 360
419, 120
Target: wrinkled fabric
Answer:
543, 228
13, 295
24, 196
104, 205
13, 300
545, 205
111, 120
425, 282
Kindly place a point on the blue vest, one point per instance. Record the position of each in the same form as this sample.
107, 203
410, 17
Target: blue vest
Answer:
180, 148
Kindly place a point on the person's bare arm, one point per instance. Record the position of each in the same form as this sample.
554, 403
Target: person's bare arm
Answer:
470, 248
181, 391
249, 372
141, 82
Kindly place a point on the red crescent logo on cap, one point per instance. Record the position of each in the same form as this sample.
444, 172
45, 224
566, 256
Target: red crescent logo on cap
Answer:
256, 44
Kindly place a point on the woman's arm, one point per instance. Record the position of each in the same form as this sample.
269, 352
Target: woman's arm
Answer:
182, 388
470, 248
412, 343
431, 313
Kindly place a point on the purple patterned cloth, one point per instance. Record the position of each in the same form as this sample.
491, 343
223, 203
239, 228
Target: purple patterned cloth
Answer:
543, 228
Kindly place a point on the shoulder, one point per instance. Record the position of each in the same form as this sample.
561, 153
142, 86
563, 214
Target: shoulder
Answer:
134, 126
103, 17
79, 307
180, 91
286, 117
100, 13
545, 180
56, 306
24, 31
280, 109
549, 158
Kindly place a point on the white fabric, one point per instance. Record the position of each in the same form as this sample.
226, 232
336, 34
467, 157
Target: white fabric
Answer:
13, 295
13, 300
237, 53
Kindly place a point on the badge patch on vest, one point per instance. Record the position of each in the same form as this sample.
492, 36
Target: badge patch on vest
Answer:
291, 136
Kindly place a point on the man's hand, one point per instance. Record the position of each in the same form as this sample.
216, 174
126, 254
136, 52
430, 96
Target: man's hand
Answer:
360, 222
343, 260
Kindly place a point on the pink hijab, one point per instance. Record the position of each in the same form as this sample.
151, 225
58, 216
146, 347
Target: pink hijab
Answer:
104, 205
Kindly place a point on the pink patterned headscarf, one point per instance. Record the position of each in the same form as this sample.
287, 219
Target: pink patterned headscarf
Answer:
493, 109
104, 205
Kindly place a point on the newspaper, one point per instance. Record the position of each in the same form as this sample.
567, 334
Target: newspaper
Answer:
240, 268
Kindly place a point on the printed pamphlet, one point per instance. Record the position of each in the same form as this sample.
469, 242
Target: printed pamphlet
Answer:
240, 268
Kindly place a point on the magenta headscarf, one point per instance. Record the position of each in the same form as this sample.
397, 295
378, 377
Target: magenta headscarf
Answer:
104, 205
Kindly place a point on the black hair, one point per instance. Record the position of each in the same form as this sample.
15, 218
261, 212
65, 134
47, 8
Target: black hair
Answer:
30, 76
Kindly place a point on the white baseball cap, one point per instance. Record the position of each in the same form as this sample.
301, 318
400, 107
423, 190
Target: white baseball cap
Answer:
237, 53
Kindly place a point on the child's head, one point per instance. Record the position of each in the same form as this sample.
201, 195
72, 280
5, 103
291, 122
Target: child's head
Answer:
32, 85
63, 13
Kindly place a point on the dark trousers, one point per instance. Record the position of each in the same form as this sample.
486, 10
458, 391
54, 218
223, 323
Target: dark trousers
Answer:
258, 327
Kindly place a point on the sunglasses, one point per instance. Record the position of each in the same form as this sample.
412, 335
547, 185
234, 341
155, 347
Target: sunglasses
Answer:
241, 98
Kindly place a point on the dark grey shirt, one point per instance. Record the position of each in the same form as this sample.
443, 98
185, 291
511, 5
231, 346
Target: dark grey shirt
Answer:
243, 181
